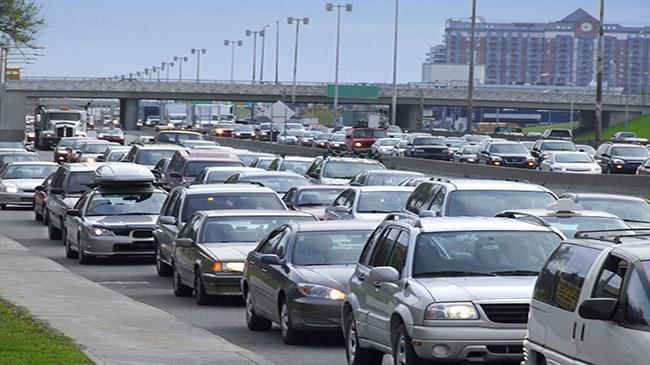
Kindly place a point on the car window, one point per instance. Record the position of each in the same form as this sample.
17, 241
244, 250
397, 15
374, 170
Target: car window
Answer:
198, 202
398, 256
78, 182
560, 282
637, 309
384, 248
368, 248
422, 197
438, 201
281, 248
175, 209
268, 246
610, 280
487, 203
340, 200
382, 201
184, 232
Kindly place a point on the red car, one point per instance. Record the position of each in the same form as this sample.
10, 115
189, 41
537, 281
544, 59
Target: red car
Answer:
40, 200
360, 140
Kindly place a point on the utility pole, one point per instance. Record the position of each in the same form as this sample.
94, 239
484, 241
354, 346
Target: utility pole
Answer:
599, 75
330, 7
254, 34
470, 81
263, 35
233, 44
277, 50
290, 21
180, 61
393, 107
198, 52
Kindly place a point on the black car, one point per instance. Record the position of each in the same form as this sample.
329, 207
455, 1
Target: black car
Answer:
507, 154
621, 158
297, 277
427, 147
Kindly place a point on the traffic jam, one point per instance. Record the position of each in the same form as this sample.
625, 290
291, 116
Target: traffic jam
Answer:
427, 269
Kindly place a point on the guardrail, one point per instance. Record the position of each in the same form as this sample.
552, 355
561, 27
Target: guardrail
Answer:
558, 182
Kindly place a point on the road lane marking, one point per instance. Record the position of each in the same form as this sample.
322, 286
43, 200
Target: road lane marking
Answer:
123, 282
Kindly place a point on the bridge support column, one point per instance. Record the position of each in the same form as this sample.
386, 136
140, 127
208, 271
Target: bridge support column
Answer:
13, 107
408, 116
611, 119
129, 113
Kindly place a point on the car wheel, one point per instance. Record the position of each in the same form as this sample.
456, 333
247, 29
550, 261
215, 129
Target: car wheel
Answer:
403, 352
355, 354
52, 232
68, 249
162, 268
180, 289
202, 298
81, 256
290, 336
46, 217
253, 321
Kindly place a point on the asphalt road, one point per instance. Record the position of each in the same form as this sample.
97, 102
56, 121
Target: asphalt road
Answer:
138, 280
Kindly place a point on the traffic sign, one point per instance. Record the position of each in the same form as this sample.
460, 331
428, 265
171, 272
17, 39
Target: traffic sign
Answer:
279, 112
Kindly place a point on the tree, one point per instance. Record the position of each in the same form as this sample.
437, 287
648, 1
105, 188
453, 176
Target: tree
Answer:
20, 21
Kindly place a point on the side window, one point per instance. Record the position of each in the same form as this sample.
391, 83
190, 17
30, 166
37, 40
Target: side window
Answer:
176, 208
289, 196
268, 246
185, 231
317, 167
560, 282
274, 165
602, 149
438, 200
637, 308
200, 177
611, 277
341, 198
421, 198
349, 200
384, 248
176, 162
169, 202
57, 180
194, 229
281, 247
398, 256
81, 202
368, 248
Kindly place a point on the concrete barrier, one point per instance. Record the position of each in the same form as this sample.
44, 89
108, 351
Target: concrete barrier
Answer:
558, 182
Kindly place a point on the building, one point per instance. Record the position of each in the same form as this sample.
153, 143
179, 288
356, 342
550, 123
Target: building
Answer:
556, 53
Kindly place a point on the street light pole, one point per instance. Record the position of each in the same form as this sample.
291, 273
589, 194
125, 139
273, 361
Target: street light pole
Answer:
470, 81
599, 75
290, 21
330, 7
393, 108
233, 44
248, 34
263, 35
277, 50
180, 61
198, 52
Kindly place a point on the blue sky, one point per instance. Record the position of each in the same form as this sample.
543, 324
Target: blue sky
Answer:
108, 37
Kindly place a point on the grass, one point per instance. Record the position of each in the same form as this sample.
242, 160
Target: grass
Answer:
25, 341
542, 128
639, 125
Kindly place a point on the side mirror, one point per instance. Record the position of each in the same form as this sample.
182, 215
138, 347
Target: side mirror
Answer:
56, 191
270, 259
175, 175
342, 209
73, 212
356, 183
383, 274
598, 308
184, 242
167, 220
40, 188
604, 155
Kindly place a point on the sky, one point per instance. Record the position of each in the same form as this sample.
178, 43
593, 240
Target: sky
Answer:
99, 38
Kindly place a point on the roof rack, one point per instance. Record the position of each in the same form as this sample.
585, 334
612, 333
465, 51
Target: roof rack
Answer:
613, 238
415, 221
513, 215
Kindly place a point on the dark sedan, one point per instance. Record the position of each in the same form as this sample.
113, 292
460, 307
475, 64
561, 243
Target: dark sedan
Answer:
297, 277
312, 199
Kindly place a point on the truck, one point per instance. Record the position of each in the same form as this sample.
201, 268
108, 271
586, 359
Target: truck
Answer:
176, 114
207, 116
51, 124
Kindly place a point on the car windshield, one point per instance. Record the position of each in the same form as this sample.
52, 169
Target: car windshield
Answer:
324, 136
394, 129
65, 142
248, 200
116, 156
195, 167
38, 172
391, 179
630, 151
569, 225
248, 159
244, 128
346, 170
329, 248
264, 163
220, 176
470, 150
139, 203
151, 157
508, 148
16, 145
112, 132
388, 142
428, 141
299, 167
560, 133
243, 229
11, 157
369, 133
382, 201
78, 182
558, 146
637, 210
487, 203
64, 116
94, 148
295, 126
480, 253
627, 135
573, 158
178, 137
279, 184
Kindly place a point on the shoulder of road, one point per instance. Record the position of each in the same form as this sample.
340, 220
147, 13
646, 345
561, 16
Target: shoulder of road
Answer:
110, 327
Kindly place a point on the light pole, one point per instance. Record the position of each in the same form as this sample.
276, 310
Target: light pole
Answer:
180, 61
263, 35
198, 52
233, 44
277, 50
393, 107
348, 8
470, 81
599, 75
254, 34
166, 66
291, 20
156, 69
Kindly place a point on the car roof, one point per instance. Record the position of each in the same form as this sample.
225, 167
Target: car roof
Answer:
83, 166
604, 196
480, 184
226, 189
254, 213
381, 188
464, 224
265, 173
576, 213
353, 225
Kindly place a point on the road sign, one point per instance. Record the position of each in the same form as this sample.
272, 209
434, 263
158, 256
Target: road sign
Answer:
279, 112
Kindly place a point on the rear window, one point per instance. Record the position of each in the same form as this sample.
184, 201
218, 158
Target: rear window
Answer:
198, 202
558, 146
487, 203
560, 133
194, 168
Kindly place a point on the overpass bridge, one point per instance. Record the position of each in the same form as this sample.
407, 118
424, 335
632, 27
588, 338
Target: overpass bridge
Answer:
15, 95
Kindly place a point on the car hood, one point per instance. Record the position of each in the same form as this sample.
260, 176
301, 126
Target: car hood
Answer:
458, 289
317, 210
24, 184
333, 276
124, 220
333, 181
579, 165
231, 251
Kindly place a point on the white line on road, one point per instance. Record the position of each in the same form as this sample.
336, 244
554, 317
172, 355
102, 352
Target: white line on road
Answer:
123, 282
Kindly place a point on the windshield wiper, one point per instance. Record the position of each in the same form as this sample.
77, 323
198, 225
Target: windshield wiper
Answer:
516, 273
454, 273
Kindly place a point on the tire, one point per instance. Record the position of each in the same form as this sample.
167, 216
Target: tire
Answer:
68, 249
180, 289
162, 268
253, 321
201, 297
290, 336
52, 232
354, 354
403, 352
81, 257
46, 217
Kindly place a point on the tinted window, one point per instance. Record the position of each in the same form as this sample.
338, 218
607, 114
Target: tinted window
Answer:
398, 256
317, 196
382, 201
487, 203
78, 182
243, 229
194, 168
384, 248
637, 310
198, 202
329, 248
560, 282
508, 148
151, 157
428, 141
611, 278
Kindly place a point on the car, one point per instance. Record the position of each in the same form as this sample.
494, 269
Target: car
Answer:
441, 197
475, 138
74, 150
8, 155
621, 158
590, 303
634, 210
117, 217
199, 144
382, 177
18, 181
444, 290
185, 165
431, 147
573, 162
263, 162
628, 137
296, 164
543, 147
219, 175
92, 150
644, 169
384, 147
339, 170
224, 129
306, 138
40, 200
149, 155
265, 134
279, 181
557, 133
312, 199
182, 202
320, 141
318, 128
468, 153
142, 140
111, 134
248, 157
244, 131
114, 153
360, 140
297, 277
505, 154
401, 147
60, 153
368, 203
176, 136
289, 137
211, 249
336, 144
394, 131
454, 144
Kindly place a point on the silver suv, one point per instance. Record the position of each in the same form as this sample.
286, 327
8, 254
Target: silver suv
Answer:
447, 290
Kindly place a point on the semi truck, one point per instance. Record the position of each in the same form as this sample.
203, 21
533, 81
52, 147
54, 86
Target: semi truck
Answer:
207, 116
51, 124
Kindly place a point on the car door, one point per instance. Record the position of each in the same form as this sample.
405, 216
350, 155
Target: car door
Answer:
73, 224
277, 274
167, 233
184, 257
55, 200
361, 271
258, 275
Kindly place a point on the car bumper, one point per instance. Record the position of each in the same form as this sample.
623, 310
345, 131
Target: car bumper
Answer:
626, 169
20, 198
316, 314
222, 284
117, 246
471, 344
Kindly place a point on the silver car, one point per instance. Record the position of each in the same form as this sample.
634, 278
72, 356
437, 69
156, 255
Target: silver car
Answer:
368, 203
18, 181
444, 290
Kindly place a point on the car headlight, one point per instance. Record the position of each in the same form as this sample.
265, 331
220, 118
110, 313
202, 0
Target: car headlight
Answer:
358, 144
596, 169
9, 188
470, 160
230, 266
264, 133
451, 311
91, 160
320, 291
219, 131
99, 231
